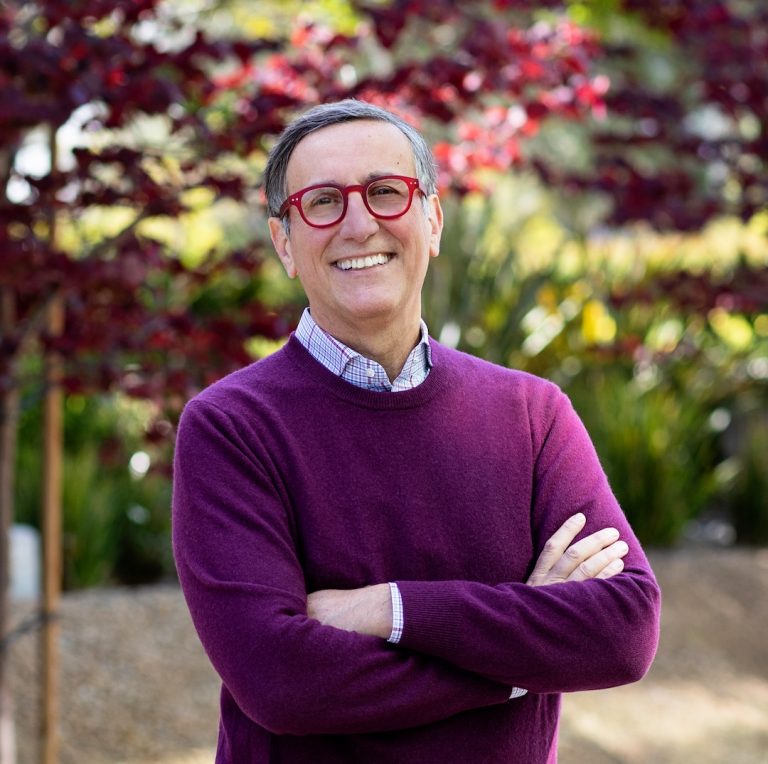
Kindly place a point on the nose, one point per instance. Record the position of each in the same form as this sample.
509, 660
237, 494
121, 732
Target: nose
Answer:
358, 223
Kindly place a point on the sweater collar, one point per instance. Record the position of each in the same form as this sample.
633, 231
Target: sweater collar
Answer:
309, 371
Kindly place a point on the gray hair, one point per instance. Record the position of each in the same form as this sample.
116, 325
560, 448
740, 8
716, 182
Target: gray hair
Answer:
325, 115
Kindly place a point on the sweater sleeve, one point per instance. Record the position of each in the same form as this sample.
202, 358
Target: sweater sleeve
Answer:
557, 638
241, 575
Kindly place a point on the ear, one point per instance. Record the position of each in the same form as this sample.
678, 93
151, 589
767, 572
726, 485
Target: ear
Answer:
282, 244
435, 225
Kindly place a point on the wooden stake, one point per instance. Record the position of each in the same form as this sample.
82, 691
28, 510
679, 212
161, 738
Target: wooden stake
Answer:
52, 514
51, 527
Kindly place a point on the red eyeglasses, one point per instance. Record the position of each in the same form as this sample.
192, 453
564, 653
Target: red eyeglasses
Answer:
386, 197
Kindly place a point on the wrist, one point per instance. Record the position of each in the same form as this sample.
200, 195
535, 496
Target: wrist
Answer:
382, 611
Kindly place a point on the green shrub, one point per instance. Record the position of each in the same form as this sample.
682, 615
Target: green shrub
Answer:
116, 524
656, 448
745, 493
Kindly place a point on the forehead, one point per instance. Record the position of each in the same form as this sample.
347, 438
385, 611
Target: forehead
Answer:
350, 152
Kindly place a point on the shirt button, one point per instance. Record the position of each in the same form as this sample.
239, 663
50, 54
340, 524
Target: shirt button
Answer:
370, 372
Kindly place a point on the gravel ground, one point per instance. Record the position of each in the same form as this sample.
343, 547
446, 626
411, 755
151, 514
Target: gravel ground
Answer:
136, 687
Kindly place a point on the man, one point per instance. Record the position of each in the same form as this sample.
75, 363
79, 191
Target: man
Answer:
373, 532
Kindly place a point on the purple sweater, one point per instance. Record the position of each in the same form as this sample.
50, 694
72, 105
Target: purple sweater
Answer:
288, 480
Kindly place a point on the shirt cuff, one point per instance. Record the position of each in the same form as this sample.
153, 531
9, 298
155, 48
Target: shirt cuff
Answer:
517, 692
397, 614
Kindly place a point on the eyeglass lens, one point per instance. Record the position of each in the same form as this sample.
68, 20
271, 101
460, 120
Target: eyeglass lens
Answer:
386, 197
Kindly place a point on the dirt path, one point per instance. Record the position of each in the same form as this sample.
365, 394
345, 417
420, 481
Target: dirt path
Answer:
137, 689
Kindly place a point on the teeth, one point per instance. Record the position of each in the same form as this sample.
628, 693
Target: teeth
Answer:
356, 263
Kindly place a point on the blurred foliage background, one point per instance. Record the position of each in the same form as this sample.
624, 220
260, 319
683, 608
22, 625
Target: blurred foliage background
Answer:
659, 338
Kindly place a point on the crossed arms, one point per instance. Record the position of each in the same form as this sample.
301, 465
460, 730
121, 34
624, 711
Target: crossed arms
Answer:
300, 663
368, 610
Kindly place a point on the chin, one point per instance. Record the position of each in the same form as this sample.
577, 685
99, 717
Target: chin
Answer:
370, 306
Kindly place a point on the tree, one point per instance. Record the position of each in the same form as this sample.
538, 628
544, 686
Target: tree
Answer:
688, 101
117, 311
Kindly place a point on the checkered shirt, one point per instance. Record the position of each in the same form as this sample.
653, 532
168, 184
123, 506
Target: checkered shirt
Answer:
359, 370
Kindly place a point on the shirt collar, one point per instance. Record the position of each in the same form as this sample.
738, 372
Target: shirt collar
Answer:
355, 368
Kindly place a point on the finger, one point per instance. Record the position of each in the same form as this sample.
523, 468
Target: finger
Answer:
611, 569
315, 605
604, 560
556, 545
583, 550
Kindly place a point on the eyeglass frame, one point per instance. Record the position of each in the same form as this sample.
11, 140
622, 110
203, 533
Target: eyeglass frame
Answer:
294, 200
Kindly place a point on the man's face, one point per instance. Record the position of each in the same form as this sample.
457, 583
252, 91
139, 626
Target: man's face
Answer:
347, 302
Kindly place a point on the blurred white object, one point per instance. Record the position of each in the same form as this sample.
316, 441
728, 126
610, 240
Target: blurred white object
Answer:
7, 730
25, 563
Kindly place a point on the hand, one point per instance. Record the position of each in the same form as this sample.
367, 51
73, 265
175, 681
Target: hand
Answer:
367, 610
596, 556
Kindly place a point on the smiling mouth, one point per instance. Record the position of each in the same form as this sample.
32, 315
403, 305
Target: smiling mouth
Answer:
359, 263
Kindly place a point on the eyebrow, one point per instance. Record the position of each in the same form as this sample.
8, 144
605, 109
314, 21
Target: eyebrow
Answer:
369, 177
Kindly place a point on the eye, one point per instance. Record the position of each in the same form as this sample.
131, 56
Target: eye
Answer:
387, 187
321, 197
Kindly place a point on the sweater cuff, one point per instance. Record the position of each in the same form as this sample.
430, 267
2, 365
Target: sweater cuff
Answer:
431, 623
429, 616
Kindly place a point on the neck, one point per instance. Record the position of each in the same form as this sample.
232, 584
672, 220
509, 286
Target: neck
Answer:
389, 346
